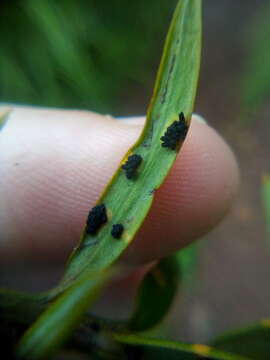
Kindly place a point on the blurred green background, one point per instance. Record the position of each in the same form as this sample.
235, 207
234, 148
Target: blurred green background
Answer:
85, 54
103, 56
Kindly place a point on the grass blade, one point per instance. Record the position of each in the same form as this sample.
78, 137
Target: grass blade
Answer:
253, 342
54, 326
156, 294
128, 201
148, 348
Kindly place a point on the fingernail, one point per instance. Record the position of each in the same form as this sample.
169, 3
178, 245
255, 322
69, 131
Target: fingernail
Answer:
200, 119
133, 120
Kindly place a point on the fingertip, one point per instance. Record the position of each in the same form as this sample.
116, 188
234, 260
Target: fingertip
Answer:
133, 120
196, 195
199, 119
55, 163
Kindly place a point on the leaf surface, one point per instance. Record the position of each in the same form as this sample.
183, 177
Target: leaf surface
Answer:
253, 342
128, 201
156, 294
146, 348
56, 323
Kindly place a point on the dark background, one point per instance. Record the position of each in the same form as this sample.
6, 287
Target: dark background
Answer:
103, 56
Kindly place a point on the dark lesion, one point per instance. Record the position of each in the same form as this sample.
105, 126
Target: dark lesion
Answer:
131, 165
96, 218
175, 133
117, 231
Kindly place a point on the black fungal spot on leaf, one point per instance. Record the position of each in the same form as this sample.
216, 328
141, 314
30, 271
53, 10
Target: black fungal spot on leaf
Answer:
175, 133
117, 230
131, 165
96, 218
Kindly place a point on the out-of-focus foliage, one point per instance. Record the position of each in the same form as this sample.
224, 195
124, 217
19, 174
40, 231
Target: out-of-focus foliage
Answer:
256, 77
156, 294
54, 325
266, 200
188, 258
137, 347
78, 53
252, 342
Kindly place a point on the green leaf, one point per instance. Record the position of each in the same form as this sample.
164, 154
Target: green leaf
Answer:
255, 84
188, 258
253, 342
156, 294
266, 200
128, 201
56, 323
19, 307
146, 348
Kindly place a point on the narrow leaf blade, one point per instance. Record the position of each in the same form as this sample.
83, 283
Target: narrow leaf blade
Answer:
156, 294
128, 201
147, 348
56, 323
253, 342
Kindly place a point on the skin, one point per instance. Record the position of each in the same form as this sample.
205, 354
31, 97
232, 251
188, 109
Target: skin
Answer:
55, 163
